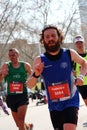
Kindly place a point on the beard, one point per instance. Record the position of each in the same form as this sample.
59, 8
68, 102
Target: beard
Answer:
52, 48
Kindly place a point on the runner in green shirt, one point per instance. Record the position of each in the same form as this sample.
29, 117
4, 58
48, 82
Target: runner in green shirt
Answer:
15, 74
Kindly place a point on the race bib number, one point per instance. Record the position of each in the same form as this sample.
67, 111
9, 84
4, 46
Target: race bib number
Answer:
16, 87
59, 91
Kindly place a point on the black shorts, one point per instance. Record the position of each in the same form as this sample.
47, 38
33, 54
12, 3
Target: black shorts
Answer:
68, 115
83, 91
15, 101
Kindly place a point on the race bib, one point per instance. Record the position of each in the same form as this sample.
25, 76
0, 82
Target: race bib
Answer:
59, 91
16, 87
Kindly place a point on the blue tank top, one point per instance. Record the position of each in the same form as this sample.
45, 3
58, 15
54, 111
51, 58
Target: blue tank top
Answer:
58, 71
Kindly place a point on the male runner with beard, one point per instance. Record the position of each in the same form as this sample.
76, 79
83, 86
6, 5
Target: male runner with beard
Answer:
55, 65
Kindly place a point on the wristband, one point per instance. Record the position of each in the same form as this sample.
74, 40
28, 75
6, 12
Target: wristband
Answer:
35, 76
80, 76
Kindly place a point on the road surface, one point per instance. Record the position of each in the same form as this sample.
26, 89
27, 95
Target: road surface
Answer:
39, 115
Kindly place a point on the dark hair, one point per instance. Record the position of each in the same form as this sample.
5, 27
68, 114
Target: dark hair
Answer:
59, 32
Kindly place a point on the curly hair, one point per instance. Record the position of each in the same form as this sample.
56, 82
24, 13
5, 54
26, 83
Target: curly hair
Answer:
59, 32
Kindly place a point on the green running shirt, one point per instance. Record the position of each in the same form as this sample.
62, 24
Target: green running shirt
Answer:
16, 79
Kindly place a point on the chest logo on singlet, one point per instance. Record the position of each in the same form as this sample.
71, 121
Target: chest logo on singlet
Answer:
64, 65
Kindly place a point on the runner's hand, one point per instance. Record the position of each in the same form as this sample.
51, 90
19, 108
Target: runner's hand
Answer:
79, 82
38, 68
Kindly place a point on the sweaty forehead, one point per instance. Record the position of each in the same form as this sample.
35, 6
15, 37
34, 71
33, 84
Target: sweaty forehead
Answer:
50, 31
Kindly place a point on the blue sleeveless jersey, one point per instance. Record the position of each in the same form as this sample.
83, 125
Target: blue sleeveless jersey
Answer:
58, 71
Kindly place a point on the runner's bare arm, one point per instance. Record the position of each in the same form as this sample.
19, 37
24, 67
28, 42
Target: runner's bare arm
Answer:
3, 71
28, 68
80, 60
37, 70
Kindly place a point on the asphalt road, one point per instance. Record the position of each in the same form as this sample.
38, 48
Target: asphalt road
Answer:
39, 115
